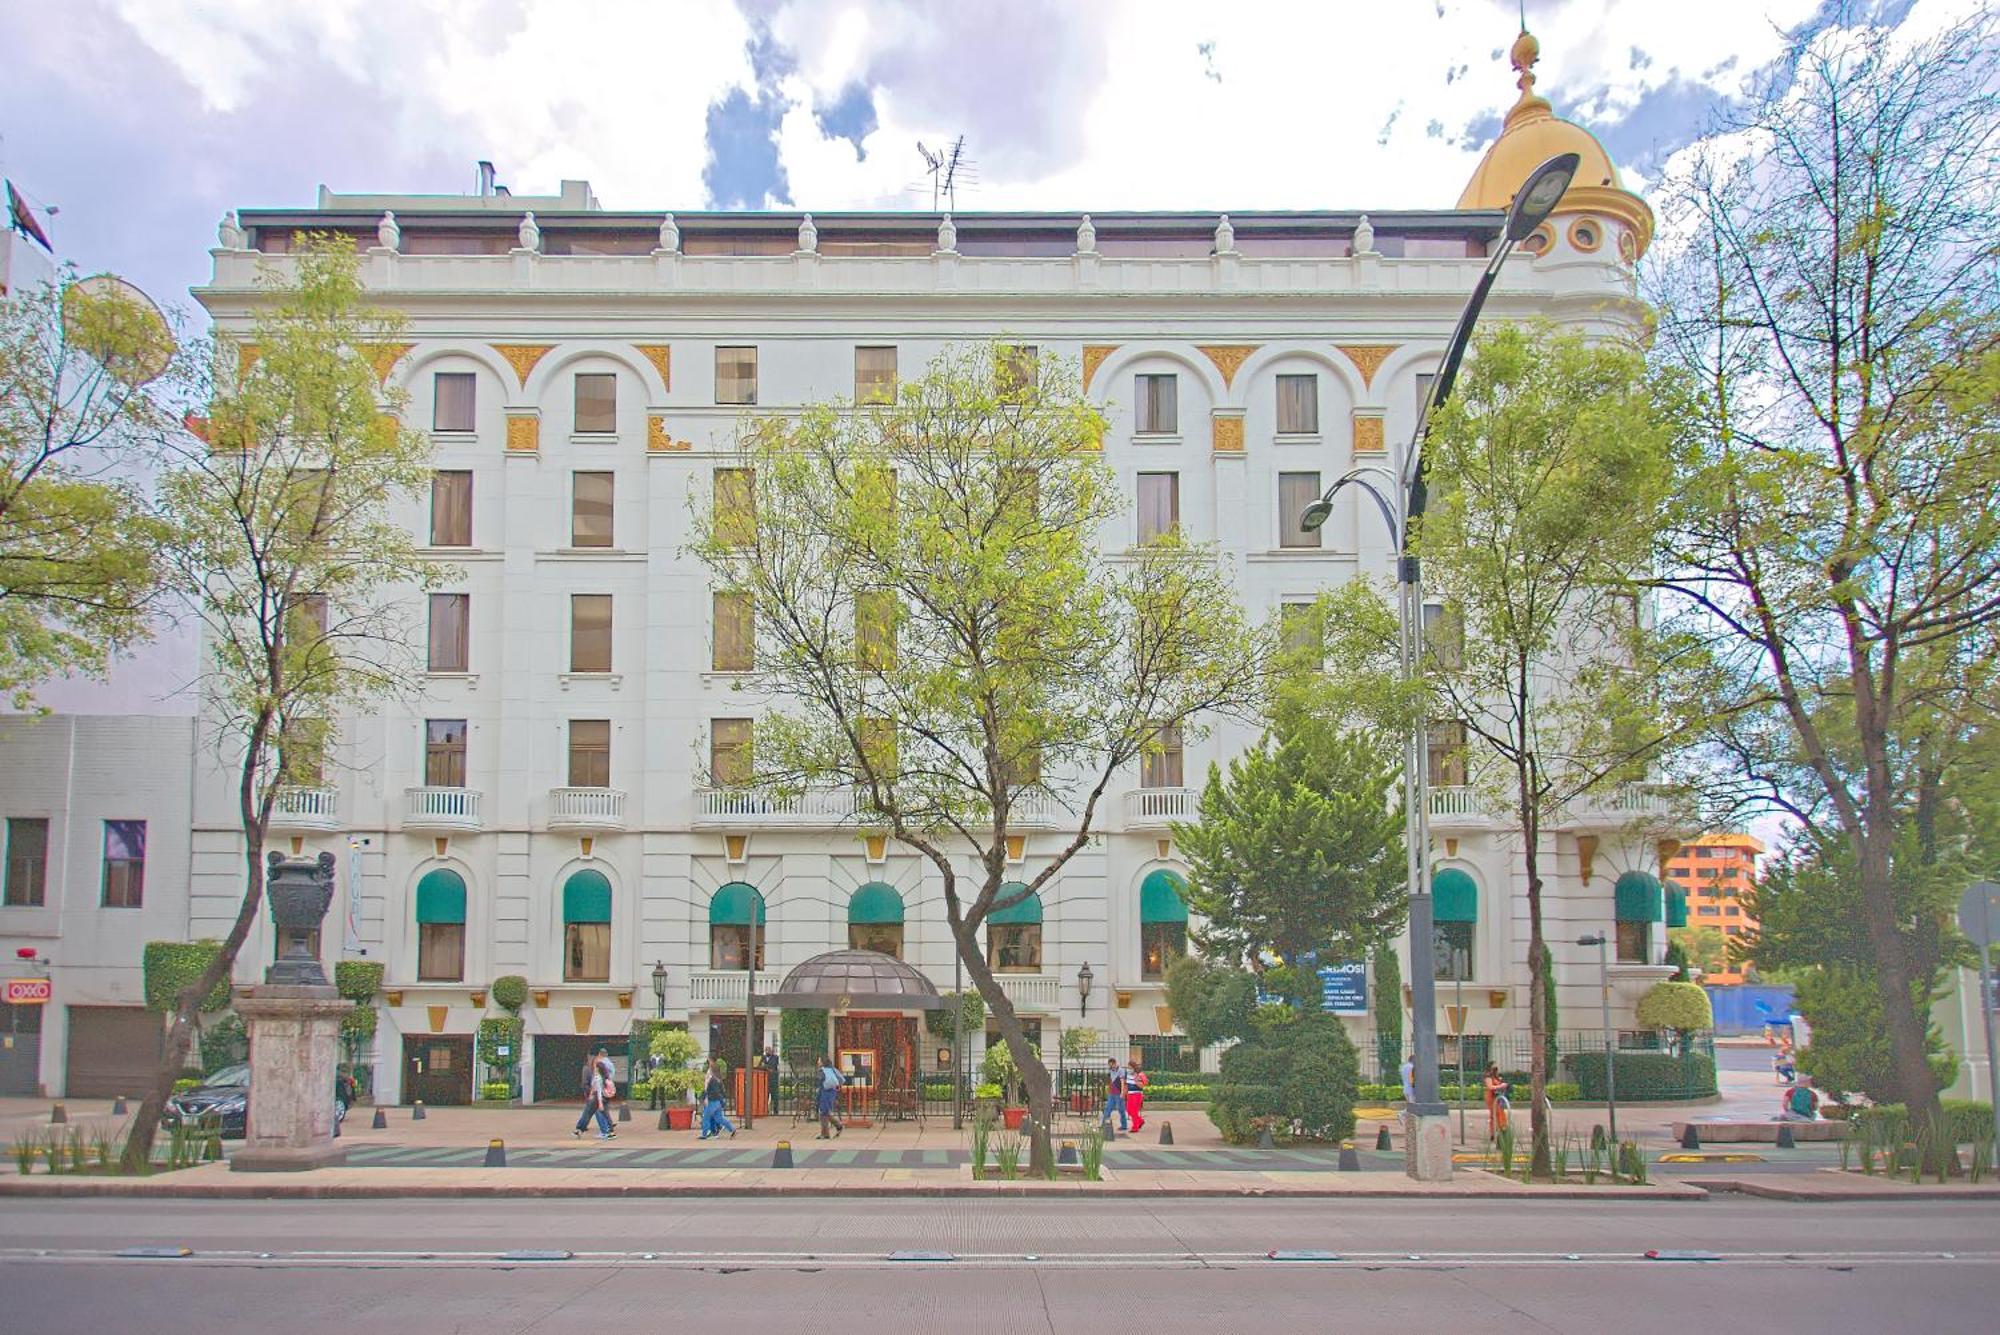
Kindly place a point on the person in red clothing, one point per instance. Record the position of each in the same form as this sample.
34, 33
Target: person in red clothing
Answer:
1135, 1094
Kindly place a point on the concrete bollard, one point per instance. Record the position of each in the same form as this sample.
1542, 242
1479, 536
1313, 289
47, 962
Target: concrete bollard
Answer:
624, 1112
1350, 1162
1382, 1138
381, 1122
1785, 1141
1690, 1138
664, 1126
417, 1111
1264, 1141
58, 1115
118, 1108
496, 1153
1067, 1154
1166, 1133
781, 1157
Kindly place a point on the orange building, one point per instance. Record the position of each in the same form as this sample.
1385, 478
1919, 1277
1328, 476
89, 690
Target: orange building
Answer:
1714, 872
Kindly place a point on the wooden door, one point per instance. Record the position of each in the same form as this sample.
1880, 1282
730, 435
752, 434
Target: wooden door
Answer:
437, 1068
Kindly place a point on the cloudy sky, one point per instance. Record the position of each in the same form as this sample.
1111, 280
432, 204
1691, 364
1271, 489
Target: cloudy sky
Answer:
143, 120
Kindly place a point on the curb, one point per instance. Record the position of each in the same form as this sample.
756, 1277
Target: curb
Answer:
1774, 1191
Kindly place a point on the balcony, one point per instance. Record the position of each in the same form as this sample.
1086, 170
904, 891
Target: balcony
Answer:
1627, 804
1156, 808
298, 808
586, 809
1035, 992
722, 989
1456, 806
813, 809
440, 809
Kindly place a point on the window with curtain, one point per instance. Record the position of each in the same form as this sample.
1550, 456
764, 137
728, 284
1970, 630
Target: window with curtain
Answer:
1159, 505
1295, 492
451, 508
729, 946
734, 518
1157, 404
1425, 380
1451, 944
1014, 947
875, 628
453, 397
885, 937
878, 743
1160, 944
1298, 405
590, 753
1635, 942
729, 756
735, 648
450, 626
1444, 744
586, 952
736, 375
875, 375
590, 632
732, 911
590, 509
1160, 762
596, 402
444, 752
441, 952
124, 864
27, 861
1299, 631
1018, 370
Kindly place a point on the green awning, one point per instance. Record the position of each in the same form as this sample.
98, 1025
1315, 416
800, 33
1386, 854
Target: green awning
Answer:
1677, 908
1639, 897
1454, 897
731, 906
875, 903
1028, 910
441, 896
1163, 897
587, 897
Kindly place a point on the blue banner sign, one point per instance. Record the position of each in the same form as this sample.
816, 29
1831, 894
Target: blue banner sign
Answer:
1344, 989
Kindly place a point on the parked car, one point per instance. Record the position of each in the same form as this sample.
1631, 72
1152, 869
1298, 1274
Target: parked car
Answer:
225, 1096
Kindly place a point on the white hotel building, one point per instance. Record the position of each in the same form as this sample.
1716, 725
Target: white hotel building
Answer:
583, 372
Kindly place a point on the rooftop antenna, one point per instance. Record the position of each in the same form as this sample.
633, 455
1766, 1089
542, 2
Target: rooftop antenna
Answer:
944, 167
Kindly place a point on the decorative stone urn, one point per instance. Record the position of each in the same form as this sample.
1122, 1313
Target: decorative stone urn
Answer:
300, 892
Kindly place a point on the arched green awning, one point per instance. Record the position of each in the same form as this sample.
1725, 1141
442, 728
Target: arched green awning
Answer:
1677, 908
1163, 897
875, 903
587, 897
1454, 897
1028, 910
441, 896
1639, 897
732, 904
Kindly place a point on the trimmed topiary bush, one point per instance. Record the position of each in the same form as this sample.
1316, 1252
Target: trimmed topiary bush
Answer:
169, 966
510, 992
1299, 1079
496, 1032
1681, 1007
357, 980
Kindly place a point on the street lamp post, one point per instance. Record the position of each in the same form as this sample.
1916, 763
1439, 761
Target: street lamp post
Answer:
1401, 497
957, 1037
1602, 942
660, 986
750, 1005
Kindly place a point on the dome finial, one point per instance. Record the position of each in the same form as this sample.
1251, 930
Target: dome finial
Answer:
1526, 51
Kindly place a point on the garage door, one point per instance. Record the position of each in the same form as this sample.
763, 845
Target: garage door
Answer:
20, 1049
113, 1050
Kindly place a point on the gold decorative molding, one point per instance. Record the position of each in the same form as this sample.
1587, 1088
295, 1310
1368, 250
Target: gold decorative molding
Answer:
1228, 357
1226, 431
659, 440
1586, 855
384, 356
1368, 437
580, 1017
1666, 849
1093, 357
438, 1016
523, 356
1367, 357
479, 999
524, 433
661, 355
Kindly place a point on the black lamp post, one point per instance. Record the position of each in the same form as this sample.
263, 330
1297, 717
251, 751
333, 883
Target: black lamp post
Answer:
1401, 497
1083, 977
750, 1007
1601, 941
660, 986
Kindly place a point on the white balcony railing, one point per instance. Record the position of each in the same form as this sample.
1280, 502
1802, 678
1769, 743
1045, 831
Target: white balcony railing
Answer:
710, 988
1040, 992
1623, 805
587, 808
1148, 807
440, 809
306, 809
816, 807
1453, 802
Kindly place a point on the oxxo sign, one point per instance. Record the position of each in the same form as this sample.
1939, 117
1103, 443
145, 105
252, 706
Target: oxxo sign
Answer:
28, 991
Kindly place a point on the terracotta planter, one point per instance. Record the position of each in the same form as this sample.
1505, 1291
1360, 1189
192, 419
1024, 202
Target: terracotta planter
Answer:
680, 1118
1079, 1103
1012, 1117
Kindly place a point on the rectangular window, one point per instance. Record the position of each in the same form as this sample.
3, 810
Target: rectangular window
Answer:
1159, 505
734, 520
736, 375
1298, 405
883, 937
1452, 951
1014, 947
451, 508
1160, 944
1299, 633
1635, 942
729, 948
875, 628
590, 509
596, 402
444, 752
586, 952
1424, 382
729, 758
27, 861
124, 864
1444, 742
1160, 762
452, 400
450, 637
875, 375
1295, 492
590, 632
1018, 371
589, 753
1157, 404
440, 952
878, 743
735, 632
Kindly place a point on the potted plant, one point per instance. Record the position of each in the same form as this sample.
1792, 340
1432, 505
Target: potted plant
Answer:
998, 1069
675, 1079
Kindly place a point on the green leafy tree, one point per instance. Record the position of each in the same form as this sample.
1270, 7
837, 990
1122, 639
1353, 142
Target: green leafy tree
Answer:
1706, 948
1210, 1002
1833, 300
942, 633
284, 539
1388, 1012
1679, 1007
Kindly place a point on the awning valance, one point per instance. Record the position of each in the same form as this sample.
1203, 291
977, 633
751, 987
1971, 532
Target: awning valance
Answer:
1639, 898
732, 905
1028, 910
1677, 908
1454, 897
587, 897
1163, 897
441, 896
875, 903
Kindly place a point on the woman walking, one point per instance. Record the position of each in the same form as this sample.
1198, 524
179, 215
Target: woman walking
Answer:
1135, 1093
594, 1094
1496, 1100
713, 1121
827, 1101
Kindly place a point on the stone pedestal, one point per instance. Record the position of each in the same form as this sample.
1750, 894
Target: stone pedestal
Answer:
294, 1051
1427, 1147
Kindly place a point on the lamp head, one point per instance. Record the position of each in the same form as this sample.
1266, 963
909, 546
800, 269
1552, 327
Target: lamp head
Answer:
1539, 195
1315, 515
1594, 939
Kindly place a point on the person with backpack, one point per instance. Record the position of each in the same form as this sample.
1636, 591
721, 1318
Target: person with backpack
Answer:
1801, 1102
713, 1120
595, 1102
828, 1101
1136, 1081
1114, 1095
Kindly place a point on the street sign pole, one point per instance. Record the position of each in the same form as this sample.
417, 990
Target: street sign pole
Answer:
1978, 918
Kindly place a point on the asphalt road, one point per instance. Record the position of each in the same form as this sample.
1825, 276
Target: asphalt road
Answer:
828, 1265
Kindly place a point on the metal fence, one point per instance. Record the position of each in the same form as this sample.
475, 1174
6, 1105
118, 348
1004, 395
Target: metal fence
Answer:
1655, 1065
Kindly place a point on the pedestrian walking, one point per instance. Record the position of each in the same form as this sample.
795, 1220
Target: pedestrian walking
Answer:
1785, 1066
1410, 1079
713, 1120
827, 1099
1136, 1081
771, 1080
594, 1102
1497, 1104
1114, 1095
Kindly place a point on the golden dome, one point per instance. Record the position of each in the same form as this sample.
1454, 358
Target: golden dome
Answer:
1530, 136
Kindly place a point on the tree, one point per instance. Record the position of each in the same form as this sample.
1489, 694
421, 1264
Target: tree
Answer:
1706, 948
1680, 1007
283, 542
1298, 853
1210, 1002
1388, 1011
1833, 300
87, 378
942, 633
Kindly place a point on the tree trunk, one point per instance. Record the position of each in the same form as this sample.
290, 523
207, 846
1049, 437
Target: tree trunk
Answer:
1911, 1069
1539, 1162
1034, 1072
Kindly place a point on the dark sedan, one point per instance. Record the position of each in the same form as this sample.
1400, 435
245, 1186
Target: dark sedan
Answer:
223, 1096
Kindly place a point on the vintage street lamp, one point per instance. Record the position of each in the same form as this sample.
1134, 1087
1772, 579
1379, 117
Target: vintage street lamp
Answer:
1401, 497
1601, 941
660, 986
1083, 977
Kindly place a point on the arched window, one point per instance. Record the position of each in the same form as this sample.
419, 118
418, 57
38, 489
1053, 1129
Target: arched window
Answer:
1455, 923
441, 927
731, 941
1640, 904
1014, 933
1163, 919
875, 919
587, 928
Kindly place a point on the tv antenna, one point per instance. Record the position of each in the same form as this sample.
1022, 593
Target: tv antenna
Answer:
945, 167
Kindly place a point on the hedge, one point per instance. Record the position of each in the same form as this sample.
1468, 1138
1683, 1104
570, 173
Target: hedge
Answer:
1299, 1082
360, 1023
1969, 1120
357, 980
1644, 1075
169, 966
